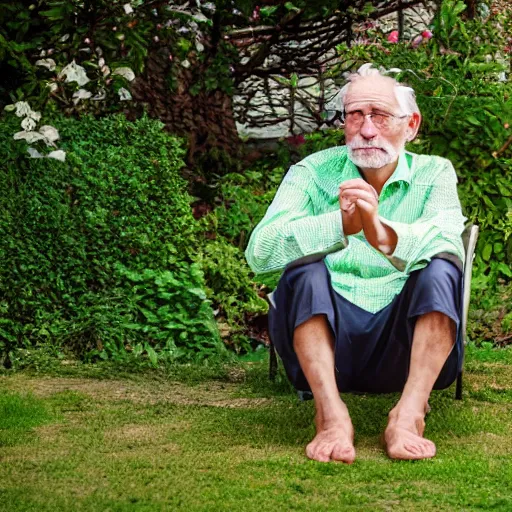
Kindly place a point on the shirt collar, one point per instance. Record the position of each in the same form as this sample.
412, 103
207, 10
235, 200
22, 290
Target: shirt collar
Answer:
403, 169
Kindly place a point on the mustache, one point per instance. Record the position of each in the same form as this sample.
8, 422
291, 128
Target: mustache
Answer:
360, 143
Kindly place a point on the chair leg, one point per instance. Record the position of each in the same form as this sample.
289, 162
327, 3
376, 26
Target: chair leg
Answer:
458, 387
272, 369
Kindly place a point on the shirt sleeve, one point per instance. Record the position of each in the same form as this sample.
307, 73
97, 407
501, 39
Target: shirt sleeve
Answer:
290, 230
438, 230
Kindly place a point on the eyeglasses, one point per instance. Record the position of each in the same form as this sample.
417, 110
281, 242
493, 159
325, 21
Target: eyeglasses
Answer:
381, 121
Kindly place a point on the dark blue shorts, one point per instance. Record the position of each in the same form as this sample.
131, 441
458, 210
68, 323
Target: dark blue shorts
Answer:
372, 350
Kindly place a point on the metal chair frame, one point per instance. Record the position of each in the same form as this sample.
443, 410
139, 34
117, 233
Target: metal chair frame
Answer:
469, 238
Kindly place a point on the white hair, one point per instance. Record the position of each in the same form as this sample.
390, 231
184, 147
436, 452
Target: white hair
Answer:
405, 95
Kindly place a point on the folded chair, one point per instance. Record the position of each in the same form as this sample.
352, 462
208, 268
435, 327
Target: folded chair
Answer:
469, 239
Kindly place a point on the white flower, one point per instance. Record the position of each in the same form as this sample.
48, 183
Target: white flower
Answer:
49, 133
28, 124
30, 137
124, 94
58, 155
125, 73
200, 17
64, 38
74, 73
210, 6
22, 108
34, 153
46, 63
101, 95
199, 46
52, 86
128, 9
101, 62
81, 94
36, 116
185, 63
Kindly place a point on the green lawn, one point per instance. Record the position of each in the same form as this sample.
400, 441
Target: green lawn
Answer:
207, 440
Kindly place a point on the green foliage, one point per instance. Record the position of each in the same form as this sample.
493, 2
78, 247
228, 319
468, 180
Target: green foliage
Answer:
318, 141
241, 201
231, 290
169, 311
91, 245
490, 315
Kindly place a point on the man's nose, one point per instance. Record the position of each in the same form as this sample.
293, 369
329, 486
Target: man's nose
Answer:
368, 130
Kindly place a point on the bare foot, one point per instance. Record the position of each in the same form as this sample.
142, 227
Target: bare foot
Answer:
404, 437
333, 441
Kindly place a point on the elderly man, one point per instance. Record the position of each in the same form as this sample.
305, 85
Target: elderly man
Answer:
369, 236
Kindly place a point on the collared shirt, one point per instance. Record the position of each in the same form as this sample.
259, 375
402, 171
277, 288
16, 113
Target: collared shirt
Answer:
303, 223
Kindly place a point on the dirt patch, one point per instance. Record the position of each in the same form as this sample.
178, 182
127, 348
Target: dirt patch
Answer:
137, 433
214, 394
496, 377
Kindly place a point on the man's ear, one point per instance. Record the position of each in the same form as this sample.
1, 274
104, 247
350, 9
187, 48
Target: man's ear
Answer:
413, 126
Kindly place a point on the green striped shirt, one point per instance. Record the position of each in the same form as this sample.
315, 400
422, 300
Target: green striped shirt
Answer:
419, 201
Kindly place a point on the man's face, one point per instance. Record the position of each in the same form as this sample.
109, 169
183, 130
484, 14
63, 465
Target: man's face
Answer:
374, 142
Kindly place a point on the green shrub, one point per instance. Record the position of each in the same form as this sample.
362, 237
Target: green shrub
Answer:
241, 201
90, 246
232, 291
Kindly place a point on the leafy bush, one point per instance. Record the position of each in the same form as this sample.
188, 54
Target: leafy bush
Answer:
97, 252
231, 290
241, 201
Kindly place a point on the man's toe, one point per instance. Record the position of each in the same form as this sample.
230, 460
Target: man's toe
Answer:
344, 453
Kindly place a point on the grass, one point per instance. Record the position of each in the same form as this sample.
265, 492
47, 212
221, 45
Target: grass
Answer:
227, 439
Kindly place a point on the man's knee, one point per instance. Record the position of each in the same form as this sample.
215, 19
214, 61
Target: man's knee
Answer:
439, 277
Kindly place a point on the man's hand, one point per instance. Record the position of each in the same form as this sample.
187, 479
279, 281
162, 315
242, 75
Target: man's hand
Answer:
350, 216
361, 201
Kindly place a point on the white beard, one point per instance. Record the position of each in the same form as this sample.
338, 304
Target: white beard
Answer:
384, 155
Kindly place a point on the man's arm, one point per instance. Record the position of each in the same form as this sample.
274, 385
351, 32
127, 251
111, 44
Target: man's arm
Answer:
437, 231
290, 229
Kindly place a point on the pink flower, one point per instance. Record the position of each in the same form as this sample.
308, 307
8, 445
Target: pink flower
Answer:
426, 34
393, 37
296, 140
417, 41
256, 14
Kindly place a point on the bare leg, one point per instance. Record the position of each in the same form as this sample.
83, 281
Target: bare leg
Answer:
434, 337
314, 345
